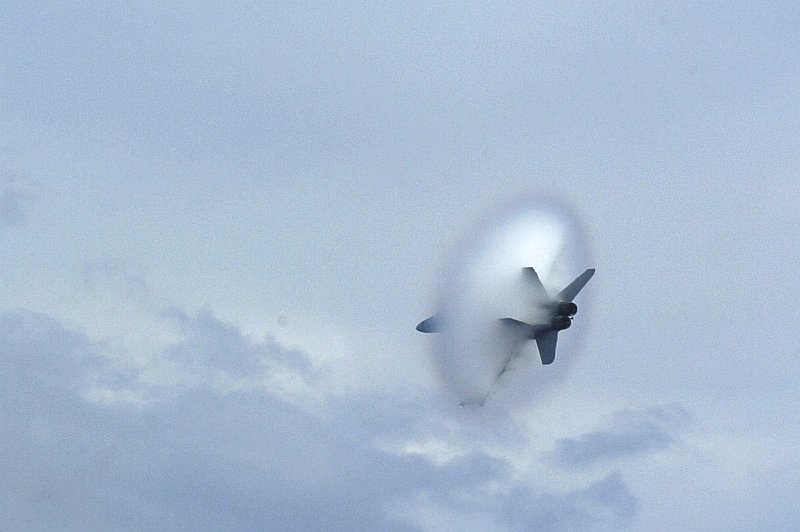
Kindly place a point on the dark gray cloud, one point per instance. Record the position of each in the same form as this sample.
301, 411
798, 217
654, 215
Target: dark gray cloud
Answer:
210, 343
631, 433
40, 356
246, 460
15, 200
606, 504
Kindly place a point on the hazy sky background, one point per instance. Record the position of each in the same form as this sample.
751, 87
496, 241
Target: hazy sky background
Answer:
219, 224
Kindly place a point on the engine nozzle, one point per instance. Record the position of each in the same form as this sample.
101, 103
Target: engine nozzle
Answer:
561, 322
567, 308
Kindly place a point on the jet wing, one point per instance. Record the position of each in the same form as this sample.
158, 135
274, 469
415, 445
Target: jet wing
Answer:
521, 331
546, 342
517, 326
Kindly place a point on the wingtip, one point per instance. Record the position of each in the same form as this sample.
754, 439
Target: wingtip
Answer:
430, 325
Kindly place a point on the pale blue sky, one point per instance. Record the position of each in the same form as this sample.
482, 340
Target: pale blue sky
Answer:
219, 224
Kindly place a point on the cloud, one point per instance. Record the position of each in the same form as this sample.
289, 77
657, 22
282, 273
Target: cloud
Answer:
631, 433
202, 456
209, 342
40, 356
606, 504
15, 199
197, 459
249, 455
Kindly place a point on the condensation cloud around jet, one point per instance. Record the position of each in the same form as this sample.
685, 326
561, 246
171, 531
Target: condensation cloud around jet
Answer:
483, 282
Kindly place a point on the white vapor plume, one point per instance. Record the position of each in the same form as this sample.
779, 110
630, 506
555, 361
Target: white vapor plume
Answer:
483, 283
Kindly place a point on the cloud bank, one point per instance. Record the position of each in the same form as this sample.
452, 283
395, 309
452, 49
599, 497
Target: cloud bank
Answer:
225, 447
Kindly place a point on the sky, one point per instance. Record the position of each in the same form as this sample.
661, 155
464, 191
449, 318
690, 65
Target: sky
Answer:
220, 223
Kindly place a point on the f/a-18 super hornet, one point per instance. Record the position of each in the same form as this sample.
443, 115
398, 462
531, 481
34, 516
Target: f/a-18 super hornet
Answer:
554, 314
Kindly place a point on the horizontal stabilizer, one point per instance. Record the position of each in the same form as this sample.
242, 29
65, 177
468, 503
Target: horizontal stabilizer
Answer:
569, 293
431, 325
546, 342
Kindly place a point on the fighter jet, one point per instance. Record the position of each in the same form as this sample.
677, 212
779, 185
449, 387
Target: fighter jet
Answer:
555, 313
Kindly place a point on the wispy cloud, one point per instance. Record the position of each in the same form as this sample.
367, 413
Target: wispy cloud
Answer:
631, 433
114, 274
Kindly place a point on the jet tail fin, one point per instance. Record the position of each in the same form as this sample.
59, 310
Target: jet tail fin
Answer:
546, 342
569, 293
532, 278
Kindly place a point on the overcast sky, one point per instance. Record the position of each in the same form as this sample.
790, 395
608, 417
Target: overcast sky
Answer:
220, 223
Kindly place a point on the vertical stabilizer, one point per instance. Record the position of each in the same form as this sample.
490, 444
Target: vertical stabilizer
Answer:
569, 293
533, 280
546, 342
